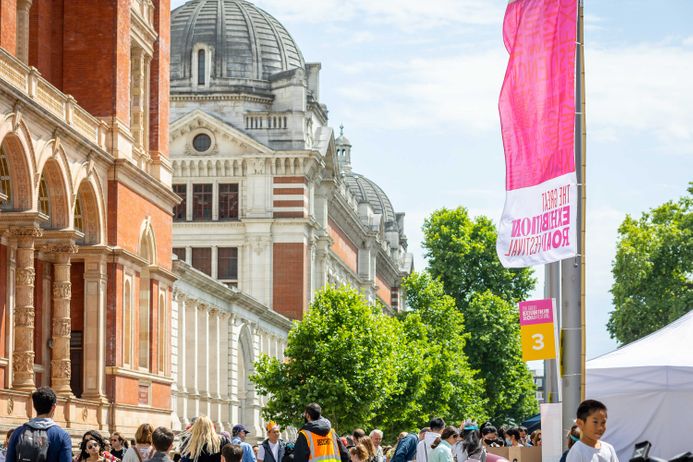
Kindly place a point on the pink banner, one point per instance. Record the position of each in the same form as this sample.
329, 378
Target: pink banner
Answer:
537, 111
536, 312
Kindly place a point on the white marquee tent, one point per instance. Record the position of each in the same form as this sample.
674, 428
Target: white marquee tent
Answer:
647, 387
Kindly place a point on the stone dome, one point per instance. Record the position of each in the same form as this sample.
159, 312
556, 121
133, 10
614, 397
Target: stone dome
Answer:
245, 42
365, 190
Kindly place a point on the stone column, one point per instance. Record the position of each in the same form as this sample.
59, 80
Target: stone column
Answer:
182, 375
23, 8
61, 367
192, 365
204, 360
94, 337
23, 350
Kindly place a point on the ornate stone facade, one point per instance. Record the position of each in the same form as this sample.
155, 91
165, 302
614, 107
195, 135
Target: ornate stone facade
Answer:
85, 200
271, 208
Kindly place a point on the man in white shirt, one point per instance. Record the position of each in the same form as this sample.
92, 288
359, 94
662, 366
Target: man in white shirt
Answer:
272, 449
377, 438
424, 450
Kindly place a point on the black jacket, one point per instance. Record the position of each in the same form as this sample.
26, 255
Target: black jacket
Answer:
320, 427
269, 457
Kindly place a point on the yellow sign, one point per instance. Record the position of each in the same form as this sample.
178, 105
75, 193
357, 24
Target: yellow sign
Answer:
538, 342
537, 330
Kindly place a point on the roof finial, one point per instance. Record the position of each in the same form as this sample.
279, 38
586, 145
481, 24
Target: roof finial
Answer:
341, 129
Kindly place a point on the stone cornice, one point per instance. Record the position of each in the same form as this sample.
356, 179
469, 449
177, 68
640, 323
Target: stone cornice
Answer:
146, 185
140, 375
245, 97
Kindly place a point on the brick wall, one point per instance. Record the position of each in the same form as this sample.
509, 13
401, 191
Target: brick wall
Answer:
8, 25
384, 291
159, 91
46, 39
289, 289
126, 212
96, 56
342, 246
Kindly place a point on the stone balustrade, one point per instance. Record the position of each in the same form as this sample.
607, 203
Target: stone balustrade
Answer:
28, 80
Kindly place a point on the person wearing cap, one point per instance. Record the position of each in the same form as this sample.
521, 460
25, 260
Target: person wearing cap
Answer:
272, 448
317, 441
238, 434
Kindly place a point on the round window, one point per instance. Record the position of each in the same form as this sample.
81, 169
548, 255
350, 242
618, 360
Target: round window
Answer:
202, 142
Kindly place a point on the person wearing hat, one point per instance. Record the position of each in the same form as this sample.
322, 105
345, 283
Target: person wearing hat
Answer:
273, 448
239, 433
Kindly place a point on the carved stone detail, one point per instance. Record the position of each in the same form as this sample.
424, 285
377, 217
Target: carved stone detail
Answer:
26, 232
10, 406
26, 276
62, 327
62, 289
24, 317
23, 362
60, 248
61, 368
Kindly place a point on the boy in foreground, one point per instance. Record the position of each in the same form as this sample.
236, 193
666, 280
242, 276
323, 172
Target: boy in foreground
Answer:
591, 419
162, 439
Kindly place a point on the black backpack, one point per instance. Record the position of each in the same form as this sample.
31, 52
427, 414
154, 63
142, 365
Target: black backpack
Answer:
32, 445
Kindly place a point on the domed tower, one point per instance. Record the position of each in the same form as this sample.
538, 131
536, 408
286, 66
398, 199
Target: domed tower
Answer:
236, 62
343, 146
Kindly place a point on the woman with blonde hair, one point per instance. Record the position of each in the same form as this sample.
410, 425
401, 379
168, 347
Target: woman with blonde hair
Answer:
202, 443
142, 449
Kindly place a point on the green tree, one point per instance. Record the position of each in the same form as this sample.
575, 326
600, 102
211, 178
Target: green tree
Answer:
494, 348
341, 355
653, 270
453, 391
461, 252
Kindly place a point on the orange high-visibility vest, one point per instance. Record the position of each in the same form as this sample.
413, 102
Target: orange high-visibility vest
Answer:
322, 448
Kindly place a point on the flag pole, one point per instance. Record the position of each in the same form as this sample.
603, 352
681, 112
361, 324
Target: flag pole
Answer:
573, 269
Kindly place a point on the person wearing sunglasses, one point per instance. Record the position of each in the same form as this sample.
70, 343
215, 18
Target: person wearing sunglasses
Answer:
92, 448
118, 445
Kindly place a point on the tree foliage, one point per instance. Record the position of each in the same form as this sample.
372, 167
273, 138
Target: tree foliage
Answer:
453, 391
494, 348
341, 355
461, 252
368, 369
653, 270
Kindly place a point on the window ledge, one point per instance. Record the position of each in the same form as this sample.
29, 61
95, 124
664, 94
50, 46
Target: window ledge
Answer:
140, 375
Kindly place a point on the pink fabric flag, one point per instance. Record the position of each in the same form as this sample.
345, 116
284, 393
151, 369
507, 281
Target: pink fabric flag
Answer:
537, 111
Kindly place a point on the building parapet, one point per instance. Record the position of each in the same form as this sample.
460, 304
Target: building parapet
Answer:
28, 81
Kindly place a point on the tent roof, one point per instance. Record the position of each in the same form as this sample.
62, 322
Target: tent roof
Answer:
669, 346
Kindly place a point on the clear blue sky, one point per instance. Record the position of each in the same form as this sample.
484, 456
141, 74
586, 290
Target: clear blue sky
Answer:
416, 84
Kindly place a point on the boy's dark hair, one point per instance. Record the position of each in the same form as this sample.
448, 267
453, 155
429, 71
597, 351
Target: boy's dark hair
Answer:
232, 453
358, 433
314, 411
588, 407
486, 429
436, 423
44, 399
162, 439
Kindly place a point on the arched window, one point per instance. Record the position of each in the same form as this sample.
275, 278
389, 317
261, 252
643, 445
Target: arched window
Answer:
5, 182
127, 324
143, 340
201, 67
79, 221
44, 202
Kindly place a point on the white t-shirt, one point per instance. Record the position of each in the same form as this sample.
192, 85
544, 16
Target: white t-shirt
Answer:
274, 447
580, 452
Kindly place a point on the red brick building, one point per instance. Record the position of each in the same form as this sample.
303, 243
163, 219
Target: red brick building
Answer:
85, 211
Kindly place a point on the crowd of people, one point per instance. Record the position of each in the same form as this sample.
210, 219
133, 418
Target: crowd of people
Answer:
42, 440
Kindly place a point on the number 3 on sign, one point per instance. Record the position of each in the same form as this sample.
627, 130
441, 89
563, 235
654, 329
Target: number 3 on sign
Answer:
538, 342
